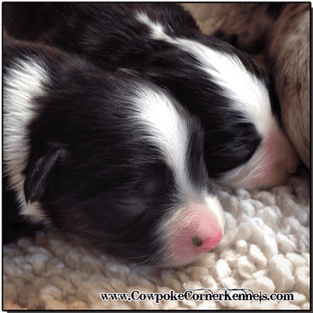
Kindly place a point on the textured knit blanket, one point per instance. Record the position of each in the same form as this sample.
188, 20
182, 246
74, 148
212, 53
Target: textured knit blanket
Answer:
264, 253
265, 248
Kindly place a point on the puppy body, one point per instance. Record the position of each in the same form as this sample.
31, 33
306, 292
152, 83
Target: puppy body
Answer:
278, 34
209, 77
110, 157
289, 58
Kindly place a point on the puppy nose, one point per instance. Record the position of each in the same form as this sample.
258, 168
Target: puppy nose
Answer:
194, 232
209, 242
196, 241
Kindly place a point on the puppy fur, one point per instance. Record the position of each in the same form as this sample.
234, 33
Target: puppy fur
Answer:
107, 156
213, 80
289, 58
278, 36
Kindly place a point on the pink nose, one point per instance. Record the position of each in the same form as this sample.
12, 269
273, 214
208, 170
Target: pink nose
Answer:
209, 242
196, 232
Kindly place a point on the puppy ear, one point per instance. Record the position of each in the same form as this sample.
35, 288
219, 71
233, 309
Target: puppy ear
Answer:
39, 173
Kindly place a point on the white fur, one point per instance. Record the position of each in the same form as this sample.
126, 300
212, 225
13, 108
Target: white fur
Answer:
22, 84
168, 129
249, 94
215, 206
241, 176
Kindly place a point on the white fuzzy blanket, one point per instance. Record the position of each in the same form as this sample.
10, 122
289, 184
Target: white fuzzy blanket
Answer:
265, 247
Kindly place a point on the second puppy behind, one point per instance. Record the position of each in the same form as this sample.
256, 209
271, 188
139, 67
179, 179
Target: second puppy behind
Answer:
244, 143
278, 34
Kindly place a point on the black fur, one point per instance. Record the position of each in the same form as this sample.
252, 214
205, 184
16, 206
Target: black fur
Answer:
110, 37
90, 166
14, 225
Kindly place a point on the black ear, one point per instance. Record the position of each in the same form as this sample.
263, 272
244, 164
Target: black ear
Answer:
38, 174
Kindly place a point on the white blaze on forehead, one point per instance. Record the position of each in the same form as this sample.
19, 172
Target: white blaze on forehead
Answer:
22, 83
167, 129
249, 95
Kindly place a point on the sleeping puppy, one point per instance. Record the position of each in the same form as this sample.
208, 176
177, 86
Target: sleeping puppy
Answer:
244, 144
278, 34
108, 156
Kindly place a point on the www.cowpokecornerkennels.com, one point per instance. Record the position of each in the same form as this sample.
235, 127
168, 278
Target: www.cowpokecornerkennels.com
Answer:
203, 294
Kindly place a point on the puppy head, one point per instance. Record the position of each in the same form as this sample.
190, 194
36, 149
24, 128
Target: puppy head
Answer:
111, 158
130, 182
244, 145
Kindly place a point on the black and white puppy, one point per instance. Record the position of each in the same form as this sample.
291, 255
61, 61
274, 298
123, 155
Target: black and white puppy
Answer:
244, 144
108, 156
